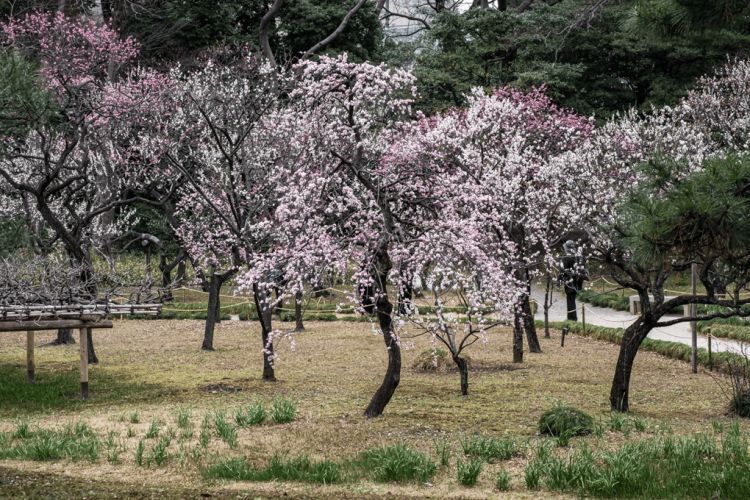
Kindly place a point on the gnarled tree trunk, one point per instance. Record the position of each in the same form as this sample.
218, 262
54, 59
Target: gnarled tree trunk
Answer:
213, 314
529, 326
631, 341
463, 369
64, 337
265, 317
517, 340
376, 301
299, 326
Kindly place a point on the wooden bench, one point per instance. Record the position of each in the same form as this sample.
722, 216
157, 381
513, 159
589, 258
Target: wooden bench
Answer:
84, 318
84, 326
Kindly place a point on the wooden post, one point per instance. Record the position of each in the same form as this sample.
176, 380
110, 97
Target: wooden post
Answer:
694, 324
84, 345
30, 377
710, 357
583, 316
562, 337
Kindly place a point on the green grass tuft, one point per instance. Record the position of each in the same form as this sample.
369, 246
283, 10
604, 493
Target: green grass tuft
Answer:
397, 463
666, 467
491, 448
255, 414
502, 482
283, 410
300, 469
73, 443
226, 431
468, 472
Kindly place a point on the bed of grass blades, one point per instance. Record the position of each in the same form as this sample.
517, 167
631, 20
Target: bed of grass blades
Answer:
701, 466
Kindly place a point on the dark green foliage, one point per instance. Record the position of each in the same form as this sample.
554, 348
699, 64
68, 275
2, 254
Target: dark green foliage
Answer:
707, 211
490, 448
669, 467
589, 59
611, 300
565, 421
300, 469
177, 30
397, 463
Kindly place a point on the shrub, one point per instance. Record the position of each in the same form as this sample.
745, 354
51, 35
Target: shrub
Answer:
283, 410
490, 448
398, 463
468, 472
565, 421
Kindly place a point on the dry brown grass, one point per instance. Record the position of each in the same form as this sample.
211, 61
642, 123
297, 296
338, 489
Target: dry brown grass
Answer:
331, 375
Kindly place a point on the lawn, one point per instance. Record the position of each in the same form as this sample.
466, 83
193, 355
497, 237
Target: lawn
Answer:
191, 417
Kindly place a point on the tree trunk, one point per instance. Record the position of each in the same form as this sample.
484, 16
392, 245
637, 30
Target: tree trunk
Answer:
181, 271
530, 327
383, 395
265, 317
64, 337
299, 326
631, 341
214, 286
517, 340
547, 304
93, 360
463, 369
166, 277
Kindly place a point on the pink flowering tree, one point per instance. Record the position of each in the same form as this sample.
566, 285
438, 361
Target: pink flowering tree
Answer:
75, 166
661, 190
345, 204
227, 139
510, 178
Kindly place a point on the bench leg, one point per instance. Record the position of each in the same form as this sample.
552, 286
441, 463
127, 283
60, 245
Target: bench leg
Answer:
84, 345
30, 377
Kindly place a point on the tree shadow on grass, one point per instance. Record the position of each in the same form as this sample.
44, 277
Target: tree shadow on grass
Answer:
57, 388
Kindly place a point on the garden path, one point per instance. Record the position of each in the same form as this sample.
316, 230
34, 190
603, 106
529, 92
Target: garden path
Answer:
604, 316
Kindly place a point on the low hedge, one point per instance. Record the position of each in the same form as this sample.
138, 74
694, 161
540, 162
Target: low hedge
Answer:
721, 360
724, 331
611, 300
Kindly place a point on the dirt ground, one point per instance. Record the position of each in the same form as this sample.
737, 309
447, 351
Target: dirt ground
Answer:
156, 369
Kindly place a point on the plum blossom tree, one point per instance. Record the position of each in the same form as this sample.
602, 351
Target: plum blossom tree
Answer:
74, 167
227, 139
512, 180
343, 202
663, 195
